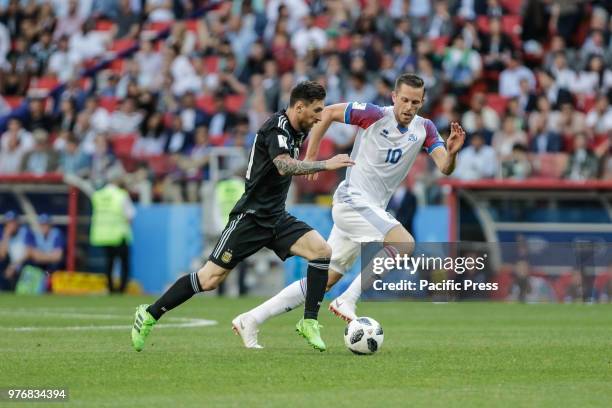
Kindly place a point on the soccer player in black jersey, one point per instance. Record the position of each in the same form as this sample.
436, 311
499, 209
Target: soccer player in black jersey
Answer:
259, 220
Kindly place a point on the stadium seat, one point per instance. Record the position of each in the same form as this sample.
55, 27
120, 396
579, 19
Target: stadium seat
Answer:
206, 103
192, 25
122, 45
233, 103
513, 6
497, 103
160, 165
109, 103
511, 25
482, 24
549, 165
46, 83
211, 64
104, 25
439, 44
122, 144
158, 26
13, 101
117, 66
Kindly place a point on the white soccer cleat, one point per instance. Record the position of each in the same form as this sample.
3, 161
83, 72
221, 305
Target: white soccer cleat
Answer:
343, 309
246, 326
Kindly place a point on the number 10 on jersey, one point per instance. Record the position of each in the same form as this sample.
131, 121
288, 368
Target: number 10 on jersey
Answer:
393, 155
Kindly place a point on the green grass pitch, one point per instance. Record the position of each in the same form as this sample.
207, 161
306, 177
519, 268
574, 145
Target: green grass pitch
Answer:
434, 355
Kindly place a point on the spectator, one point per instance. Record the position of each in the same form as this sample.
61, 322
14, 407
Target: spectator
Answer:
192, 116
70, 23
476, 161
508, 137
42, 158
12, 250
11, 154
72, 160
178, 141
62, 63
595, 78
86, 43
599, 119
149, 64
5, 43
544, 139
159, 10
564, 76
22, 136
478, 107
37, 117
41, 52
462, 65
359, 89
153, 137
440, 24
66, 118
549, 88
568, 120
126, 21
517, 165
126, 119
309, 38
103, 162
45, 246
510, 78
583, 164
221, 121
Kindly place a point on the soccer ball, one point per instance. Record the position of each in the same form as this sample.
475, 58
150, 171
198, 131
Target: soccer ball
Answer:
363, 335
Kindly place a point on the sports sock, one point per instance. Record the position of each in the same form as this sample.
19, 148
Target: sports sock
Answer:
353, 292
316, 281
287, 299
182, 290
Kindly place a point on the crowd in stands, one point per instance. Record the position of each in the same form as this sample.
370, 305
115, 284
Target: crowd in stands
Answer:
529, 81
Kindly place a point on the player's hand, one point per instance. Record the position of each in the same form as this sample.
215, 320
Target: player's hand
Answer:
339, 161
455, 139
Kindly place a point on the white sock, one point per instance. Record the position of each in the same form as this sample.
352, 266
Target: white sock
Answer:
353, 292
287, 299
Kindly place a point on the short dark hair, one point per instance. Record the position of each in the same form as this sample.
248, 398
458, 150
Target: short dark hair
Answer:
307, 91
413, 81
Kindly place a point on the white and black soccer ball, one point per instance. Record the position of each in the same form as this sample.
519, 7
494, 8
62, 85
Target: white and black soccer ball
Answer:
363, 335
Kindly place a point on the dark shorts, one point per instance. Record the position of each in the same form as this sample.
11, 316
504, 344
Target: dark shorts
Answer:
242, 237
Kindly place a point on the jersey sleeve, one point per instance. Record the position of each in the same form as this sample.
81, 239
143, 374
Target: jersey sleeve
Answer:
278, 143
362, 114
433, 140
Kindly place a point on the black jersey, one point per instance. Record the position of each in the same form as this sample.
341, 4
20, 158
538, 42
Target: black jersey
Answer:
265, 189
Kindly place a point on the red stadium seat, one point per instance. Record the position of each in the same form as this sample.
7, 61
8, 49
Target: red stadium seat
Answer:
211, 64
158, 26
46, 83
122, 44
497, 102
233, 103
122, 144
511, 25
549, 165
104, 25
513, 6
482, 24
206, 103
13, 101
192, 25
109, 103
161, 165
418, 168
439, 44
322, 21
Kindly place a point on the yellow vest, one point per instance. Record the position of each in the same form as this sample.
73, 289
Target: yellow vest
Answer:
227, 193
109, 226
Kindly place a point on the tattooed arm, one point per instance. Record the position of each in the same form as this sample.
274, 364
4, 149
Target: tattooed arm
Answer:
288, 166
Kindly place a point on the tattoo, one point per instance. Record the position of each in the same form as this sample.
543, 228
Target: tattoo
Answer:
291, 167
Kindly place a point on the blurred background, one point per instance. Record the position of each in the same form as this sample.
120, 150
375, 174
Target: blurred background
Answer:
164, 97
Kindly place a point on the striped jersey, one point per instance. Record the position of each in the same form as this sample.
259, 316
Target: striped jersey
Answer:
383, 152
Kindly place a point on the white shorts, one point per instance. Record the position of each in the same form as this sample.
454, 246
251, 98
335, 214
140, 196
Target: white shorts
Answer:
353, 224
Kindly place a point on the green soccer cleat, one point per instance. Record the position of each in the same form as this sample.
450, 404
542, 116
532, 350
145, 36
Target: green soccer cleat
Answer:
310, 330
143, 323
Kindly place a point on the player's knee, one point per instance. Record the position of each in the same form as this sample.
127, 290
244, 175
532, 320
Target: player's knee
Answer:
209, 281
